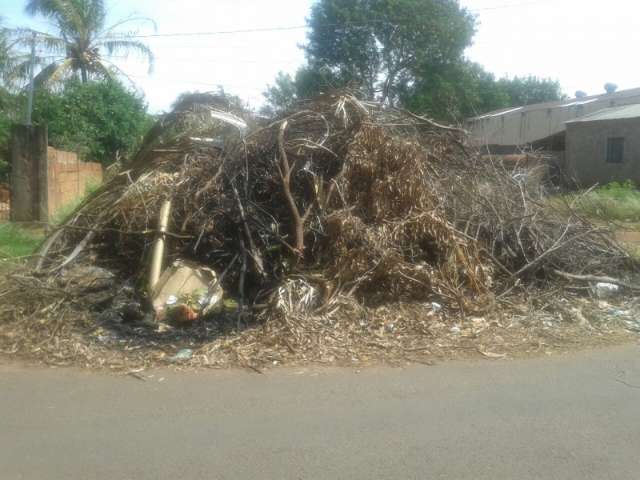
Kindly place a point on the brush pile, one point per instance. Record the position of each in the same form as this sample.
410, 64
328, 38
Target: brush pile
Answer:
337, 208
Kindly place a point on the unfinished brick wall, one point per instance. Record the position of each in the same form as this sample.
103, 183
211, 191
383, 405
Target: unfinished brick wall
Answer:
68, 178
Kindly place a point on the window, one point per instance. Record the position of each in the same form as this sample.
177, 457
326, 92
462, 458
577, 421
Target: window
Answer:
615, 149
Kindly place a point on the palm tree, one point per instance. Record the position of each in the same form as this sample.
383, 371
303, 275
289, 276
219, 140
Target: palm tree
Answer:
4, 49
79, 43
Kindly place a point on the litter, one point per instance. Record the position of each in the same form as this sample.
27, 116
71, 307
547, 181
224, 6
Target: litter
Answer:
604, 290
186, 292
184, 354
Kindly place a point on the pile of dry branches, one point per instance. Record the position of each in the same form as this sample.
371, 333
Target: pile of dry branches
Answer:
338, 205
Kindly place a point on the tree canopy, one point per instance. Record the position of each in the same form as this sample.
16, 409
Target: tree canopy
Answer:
99, 120
385, 45
408, 53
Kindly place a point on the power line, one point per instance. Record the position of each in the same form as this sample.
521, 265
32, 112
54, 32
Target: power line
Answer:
301, 27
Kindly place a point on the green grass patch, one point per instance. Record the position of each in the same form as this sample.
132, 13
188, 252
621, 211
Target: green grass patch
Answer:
17, 241
618, 202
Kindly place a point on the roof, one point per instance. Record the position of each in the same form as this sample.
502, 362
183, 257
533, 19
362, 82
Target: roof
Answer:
613, 113
529, 124
574, 102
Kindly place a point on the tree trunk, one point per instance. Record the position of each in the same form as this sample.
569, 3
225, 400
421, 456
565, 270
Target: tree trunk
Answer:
83, 73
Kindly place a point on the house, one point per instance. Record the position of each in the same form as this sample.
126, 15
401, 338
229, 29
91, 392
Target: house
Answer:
604, 146
541, 126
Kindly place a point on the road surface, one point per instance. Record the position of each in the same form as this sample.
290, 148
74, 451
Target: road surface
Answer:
575, 416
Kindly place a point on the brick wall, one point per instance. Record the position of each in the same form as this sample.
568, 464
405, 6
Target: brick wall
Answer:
68, 178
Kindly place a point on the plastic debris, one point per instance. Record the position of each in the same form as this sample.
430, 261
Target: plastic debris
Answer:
185, 292
603, 289
184, 354
172, 300
436, 307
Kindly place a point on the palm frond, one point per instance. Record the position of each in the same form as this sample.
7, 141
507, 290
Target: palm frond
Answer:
111, 30
52, 73
112, 70
23, 37
125, 46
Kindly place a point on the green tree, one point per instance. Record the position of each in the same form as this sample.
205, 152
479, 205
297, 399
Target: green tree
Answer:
80, 41
466, 89
99, 120
9, 111
530, 90
386, 45
288, 90
406, 52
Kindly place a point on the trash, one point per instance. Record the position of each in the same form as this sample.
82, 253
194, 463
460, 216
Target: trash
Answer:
455, 330
185, 292
436, 307
171, 300
184, 354
604, 290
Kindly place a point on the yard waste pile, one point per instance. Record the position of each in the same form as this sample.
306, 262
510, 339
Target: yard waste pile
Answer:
330, 231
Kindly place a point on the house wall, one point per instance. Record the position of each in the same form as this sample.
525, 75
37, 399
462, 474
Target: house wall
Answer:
587, 150
526, 125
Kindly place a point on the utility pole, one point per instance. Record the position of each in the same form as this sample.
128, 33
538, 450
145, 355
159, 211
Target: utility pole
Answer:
31, 69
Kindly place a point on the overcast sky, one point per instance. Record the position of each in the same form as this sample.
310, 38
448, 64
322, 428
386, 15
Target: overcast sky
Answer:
583, 44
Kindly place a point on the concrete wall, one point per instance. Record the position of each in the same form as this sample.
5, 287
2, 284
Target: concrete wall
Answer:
43, 179
28, 147
587, 151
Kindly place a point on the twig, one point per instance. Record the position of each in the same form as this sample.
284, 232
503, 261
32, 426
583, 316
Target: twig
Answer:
596, 279
253, 251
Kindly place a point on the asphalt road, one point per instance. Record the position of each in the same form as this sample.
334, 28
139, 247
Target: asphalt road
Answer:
575, 416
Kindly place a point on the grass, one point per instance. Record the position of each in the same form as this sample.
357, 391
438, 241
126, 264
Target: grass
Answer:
614, 202
18, 241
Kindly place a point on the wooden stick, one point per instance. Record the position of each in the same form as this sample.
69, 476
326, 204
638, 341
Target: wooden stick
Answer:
46, 247
284, 168
158, 247
78, 250
596, 279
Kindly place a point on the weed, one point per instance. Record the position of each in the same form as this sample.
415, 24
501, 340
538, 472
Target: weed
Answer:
612, 202
18, 241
